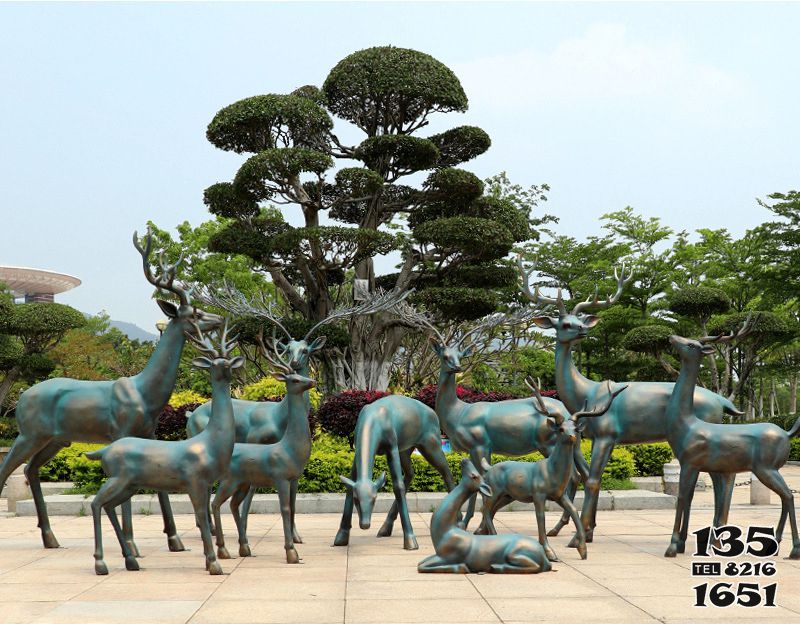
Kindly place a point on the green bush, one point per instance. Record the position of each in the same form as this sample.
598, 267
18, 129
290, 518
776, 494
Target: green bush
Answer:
63, 467
794, 452
186, 397
8, 429
650, 458
271, 388
620, 466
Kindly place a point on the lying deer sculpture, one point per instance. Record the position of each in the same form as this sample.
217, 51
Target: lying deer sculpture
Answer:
638, 415
190, 466
263, 422
277, 465
547, 479
723, 449
56, 412
394, 425
514, 427
458, 551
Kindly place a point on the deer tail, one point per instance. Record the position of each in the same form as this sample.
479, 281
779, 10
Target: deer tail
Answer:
795, 428
97, 455
730, 408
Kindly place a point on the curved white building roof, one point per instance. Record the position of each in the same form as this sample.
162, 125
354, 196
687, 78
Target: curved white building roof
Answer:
26, 281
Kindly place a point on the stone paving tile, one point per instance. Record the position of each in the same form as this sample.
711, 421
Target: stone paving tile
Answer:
131, 612
567, 609
420, 589
25, 612
414, 610
42, 592
272, 612
301, 590
124, 592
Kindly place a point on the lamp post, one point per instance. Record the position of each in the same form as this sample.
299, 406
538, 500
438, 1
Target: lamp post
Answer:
161, 326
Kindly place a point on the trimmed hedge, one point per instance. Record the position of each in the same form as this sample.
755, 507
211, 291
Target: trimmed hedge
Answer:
650, 458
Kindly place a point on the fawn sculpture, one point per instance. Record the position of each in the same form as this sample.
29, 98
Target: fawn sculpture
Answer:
190, 466
547, 479
394, 425
277, 465
710, 447
637, 417
458, 551
56, 412
514, 427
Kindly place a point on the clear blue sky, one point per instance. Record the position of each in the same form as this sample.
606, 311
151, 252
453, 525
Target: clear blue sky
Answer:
684, 111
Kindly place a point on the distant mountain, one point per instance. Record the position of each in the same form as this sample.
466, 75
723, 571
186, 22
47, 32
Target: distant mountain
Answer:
134, 332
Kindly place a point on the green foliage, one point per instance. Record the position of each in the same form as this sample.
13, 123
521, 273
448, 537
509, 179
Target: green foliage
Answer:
648, 338
8, 429
620, 466
186, 397
650, 458
458, 303
260, 174
794, 452
226, 200
699, 302
39, 324
65, 465
478, 238
397, 152
391, 88
460, 144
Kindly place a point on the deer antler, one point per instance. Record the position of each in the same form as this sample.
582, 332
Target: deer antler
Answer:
534, 387
599, 410
536, 296
490, 322
201, 340
166, 280
745, 330
415, 318
594, 301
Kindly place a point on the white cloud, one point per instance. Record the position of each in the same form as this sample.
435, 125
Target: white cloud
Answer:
605, 65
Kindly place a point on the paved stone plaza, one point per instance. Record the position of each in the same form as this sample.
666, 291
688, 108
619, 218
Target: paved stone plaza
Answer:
625, 579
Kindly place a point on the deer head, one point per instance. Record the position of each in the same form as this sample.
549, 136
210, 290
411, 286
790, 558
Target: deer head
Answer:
693, 350
217, 360
365, 492
184, 313
571, 326
472, 479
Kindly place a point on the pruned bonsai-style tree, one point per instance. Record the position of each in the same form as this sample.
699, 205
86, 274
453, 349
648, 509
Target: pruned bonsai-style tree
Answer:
352, 202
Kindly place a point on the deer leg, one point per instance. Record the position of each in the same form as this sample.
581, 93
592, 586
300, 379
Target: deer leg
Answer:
435, 563
23, 448
686, 485
241, 520
408, 475
395, 467
775, 482
564, 519
569, 508
127, 526
173, 541
490, 507
431, 450
200, 502
538, 504
285, 498
601, 452
111, 489
211, 515
296, 538
127, 552
32, 474
222, 494
476, 454
343, 535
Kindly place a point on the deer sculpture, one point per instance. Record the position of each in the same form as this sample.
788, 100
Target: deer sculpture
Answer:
190, 466
56, 412
394, 425
259, 422
638, 415
513, 427
701, 446
547, 479
460, 552
277, 465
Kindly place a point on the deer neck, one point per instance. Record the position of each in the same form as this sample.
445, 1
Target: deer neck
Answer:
297, 439
303, 371
681, 402
221, 429
448, 405
446, 517
561, 460
573, 388
157, 380
368, 439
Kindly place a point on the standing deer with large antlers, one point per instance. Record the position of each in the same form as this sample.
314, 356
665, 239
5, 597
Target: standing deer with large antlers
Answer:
638, 415
56, 412
546, 479
190, 466
700, 446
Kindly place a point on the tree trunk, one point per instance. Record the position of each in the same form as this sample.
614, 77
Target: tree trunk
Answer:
793, 393
773, 398
372, 351
8, 381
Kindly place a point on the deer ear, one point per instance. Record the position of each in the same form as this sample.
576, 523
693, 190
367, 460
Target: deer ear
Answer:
380, 481
580, 425
348, 482
279, 376
436, 346
237, 362
590, 320
318, 343
201, 362
484, 489
544, 322
485, 464
167, 308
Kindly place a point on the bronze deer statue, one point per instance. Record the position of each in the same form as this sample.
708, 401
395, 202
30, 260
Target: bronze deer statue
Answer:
190, 466
460, 552
638, 415
394, 425
279, 465
547, 479
56, 412
700, 446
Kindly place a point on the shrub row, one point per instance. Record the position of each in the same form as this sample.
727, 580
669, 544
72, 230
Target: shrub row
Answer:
650, 458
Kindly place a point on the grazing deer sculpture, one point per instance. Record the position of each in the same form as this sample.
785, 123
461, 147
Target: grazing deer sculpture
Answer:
458, 551
394, 425
700, 446
638, 415
277, 465
514, 427
547, 479
259, 422
190, 466
56, 412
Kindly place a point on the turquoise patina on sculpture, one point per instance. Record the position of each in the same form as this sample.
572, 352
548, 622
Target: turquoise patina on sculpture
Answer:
279, 465
760, 448
637, 417
458, 551
547, 479
190, 466
394, 425
56, 412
